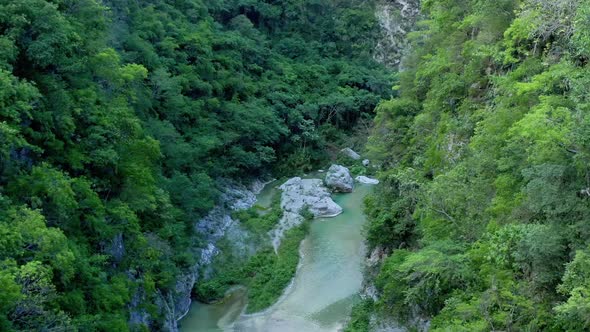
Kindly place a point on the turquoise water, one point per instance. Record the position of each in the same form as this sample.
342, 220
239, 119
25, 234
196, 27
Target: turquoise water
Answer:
323, 291
266, 195
214, 317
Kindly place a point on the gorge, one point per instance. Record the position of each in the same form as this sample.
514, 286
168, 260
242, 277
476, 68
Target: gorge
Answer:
140, 142
327, 282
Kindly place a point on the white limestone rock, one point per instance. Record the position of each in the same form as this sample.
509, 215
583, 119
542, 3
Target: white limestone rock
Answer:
366, 180
351, 153
297, 195
338, 179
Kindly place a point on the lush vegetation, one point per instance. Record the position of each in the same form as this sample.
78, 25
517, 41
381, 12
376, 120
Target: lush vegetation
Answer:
260, 220
360, 319
117, 117
484, 205
266, 274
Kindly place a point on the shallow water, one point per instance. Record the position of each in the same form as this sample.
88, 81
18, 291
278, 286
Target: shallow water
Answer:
323, 291
213, 317
264, 198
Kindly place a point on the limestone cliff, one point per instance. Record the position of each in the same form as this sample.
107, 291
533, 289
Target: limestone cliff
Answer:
396, 18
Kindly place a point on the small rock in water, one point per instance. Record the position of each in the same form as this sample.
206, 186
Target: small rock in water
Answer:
338, 179
366, 180
350, 152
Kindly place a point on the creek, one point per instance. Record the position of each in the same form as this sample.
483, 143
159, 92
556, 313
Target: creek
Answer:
325, 287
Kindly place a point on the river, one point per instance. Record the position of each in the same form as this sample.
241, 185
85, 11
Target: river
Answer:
325, 286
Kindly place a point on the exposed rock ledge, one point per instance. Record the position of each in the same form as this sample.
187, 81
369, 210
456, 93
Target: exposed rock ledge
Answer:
351, 153
213, 227
297, 194
366, 180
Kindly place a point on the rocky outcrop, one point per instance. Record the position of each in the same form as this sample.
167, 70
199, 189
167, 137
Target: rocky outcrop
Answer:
298, 194
311, 193
216, 225
138, 315
351, 153
288, 221
377, 322
117, 248
372, 267
396, 18
366, 180
339, 180
377, 256
177, 304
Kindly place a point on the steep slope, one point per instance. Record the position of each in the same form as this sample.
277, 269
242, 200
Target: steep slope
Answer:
483, 208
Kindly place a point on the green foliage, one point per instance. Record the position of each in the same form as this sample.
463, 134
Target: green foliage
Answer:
360, 320
390, 210
261, 223
420, 282
483, 199
266, 274
573, 314
118, 117
392, 122
270, 278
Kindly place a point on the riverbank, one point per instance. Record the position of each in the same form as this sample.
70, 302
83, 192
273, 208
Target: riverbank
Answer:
265, 275
324, 288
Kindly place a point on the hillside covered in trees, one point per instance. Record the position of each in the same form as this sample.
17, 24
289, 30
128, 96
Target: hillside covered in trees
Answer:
484, 207
117, 117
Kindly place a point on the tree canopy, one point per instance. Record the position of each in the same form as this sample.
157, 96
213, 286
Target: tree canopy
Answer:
484, 203
117, 118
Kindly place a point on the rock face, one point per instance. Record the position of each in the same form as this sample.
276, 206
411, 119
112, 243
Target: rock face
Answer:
138, 315
338, 179
373, 262
216, 225
396, 18
288, 221
350, 152
117, 248
366, 180
297, 194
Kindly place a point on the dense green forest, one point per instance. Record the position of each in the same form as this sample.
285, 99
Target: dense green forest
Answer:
117, 117
484, 206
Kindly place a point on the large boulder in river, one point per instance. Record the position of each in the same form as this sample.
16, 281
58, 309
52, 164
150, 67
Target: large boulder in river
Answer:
338, 179
311, 193
350, 153
297, 195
